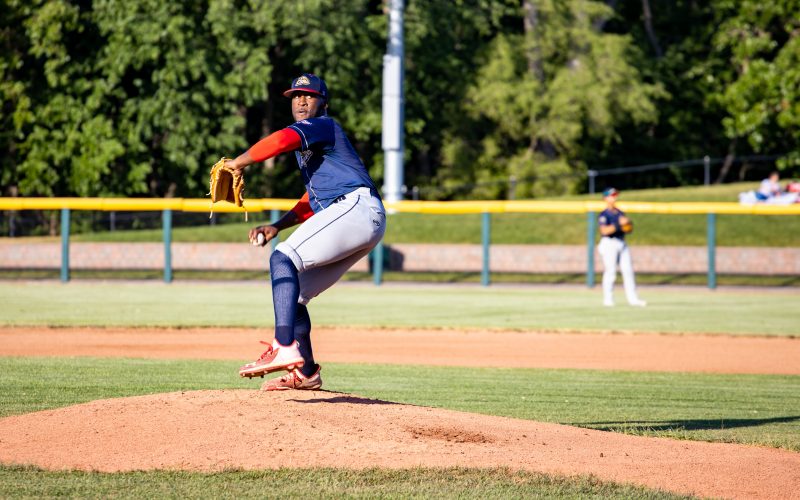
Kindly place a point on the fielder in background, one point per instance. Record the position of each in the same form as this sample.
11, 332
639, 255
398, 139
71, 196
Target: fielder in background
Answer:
342, 219
614, 225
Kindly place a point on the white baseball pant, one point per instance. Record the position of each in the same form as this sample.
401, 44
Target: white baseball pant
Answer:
325, 246
615, 251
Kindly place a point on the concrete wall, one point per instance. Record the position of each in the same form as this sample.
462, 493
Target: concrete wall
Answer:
572, 259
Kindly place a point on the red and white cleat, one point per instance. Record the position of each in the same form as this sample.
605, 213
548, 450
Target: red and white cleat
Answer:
294, 380
276, 357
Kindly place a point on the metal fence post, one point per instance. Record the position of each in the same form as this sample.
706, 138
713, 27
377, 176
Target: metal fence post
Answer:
711, 235
377, 264
486, 231
592, 175
167, 221
274, 216
65, 245
512, 187
706, 171
590, 225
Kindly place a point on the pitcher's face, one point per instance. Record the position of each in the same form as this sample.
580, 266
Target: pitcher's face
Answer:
306, 105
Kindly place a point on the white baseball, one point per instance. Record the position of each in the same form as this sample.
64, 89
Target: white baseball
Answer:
260, 239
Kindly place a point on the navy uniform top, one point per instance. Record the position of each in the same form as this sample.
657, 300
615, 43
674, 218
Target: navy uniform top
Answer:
329, 163
610, 217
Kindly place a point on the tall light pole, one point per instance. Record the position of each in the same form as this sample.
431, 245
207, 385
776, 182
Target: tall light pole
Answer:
393, 106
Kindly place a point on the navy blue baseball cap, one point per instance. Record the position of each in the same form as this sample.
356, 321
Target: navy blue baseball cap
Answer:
610, 192
308, 82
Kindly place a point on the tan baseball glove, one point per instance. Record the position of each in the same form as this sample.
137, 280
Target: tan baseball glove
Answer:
626, 225
226, 184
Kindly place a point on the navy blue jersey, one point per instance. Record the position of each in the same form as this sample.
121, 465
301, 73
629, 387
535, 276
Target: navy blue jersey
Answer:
329, 164
610, 217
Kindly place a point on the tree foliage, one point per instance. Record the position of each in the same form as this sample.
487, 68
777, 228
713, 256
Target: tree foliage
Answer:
140, 97
544, 92
761, 40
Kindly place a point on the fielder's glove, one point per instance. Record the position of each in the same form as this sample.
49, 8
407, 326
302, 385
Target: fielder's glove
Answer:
626, 226
226, 184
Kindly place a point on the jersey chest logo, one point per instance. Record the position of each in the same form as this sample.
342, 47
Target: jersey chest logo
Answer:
305, 156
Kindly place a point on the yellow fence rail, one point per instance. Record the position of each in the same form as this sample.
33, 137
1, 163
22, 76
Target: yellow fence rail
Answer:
426, 207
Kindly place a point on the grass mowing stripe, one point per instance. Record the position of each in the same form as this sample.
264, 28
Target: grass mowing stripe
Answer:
550, 308
20, 482
752, 409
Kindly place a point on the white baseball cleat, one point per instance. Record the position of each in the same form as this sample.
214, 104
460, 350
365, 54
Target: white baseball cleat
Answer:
294, 380
276, 357
608, 303
638, 303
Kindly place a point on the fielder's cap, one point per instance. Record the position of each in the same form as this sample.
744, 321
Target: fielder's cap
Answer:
308, 82
610, 192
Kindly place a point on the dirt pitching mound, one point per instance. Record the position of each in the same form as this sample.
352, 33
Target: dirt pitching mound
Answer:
217, 430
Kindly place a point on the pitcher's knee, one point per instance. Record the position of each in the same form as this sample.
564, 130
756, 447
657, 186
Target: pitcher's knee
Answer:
278, 258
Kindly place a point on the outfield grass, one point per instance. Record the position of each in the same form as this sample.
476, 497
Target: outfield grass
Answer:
394, 277
750, 409
19, 482
715, 193
566, 229
742, 312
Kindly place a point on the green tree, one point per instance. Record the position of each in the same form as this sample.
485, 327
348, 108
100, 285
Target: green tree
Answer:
541, 94
341, 41
761, 41
61, 143
672, 52
14, 99
140, 97
127, 98
345, 44
728, 69
178, 77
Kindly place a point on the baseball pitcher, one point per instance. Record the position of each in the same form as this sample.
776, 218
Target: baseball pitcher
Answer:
342, 219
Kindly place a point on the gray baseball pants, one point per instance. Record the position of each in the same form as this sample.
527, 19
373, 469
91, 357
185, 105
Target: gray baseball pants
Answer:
325, 246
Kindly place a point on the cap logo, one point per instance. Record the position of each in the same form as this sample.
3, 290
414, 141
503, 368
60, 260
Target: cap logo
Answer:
302, 81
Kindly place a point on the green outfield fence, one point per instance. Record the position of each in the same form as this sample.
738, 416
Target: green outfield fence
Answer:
486, 208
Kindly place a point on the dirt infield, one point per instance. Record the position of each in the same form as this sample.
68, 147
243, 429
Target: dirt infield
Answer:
478, 348
216, 430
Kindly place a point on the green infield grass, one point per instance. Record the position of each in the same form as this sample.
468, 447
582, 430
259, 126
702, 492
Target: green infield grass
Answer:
750, 409
22, 482
565, 308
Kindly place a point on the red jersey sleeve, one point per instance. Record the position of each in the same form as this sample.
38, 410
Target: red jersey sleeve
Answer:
282, 141
303, 209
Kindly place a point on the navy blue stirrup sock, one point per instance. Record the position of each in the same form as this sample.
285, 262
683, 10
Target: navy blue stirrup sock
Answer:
302, 333
285, 292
